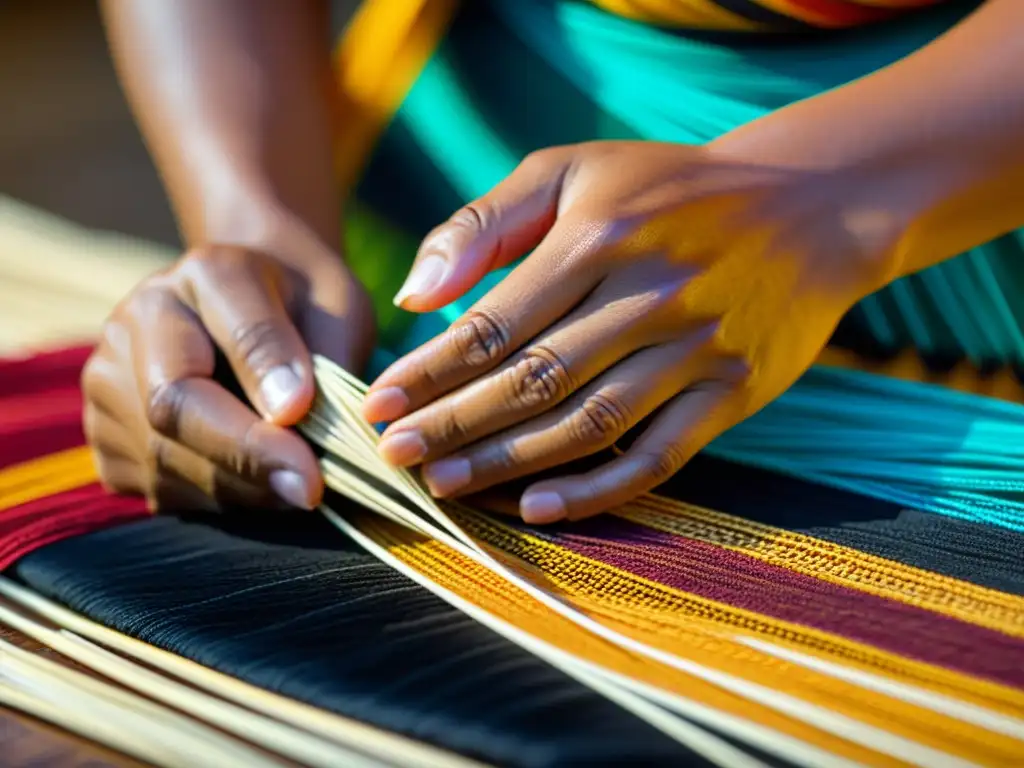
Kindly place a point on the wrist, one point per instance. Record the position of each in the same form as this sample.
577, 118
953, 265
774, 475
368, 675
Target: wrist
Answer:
263, 223
894, 199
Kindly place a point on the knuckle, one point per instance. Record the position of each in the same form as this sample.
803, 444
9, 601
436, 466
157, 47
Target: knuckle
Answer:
193, 264
540, 377
203, 256
148, 305
677, 305
165, 405
654, 468
449, 427
540, 159
115, 337
602, 419
472, 216
195, 257
481, 339
698, 342
143, 297
208, 264
259, 345
502, 459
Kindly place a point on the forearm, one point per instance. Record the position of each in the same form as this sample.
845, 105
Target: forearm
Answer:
937, 138
234, 100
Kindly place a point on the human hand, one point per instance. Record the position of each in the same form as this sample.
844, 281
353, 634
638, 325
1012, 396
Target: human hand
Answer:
162, 426
679, 283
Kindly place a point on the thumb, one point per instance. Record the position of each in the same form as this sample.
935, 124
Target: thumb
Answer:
486, 234
238, 295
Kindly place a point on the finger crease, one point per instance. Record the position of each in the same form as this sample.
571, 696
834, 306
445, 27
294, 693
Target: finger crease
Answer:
540, 377
481, 339
603, 419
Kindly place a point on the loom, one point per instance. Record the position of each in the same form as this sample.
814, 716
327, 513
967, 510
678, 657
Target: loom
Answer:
836, 582
750, 613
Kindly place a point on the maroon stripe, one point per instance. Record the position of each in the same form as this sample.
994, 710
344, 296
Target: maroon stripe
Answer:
49, 370
27, 527
737, 579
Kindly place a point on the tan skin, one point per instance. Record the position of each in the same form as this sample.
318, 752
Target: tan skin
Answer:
233, 99
691, 284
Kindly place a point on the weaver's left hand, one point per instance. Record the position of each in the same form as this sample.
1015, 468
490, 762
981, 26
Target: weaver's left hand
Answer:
665, 280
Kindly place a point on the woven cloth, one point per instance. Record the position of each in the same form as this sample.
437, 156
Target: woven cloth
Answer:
796, 622
873, 633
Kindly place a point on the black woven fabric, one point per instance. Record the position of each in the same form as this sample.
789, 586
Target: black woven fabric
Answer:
289, 604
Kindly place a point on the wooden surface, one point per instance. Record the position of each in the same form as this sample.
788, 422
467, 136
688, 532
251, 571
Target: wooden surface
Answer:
29, 743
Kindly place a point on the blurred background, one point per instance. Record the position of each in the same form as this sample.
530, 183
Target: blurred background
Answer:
67, 141
82, 213
83, 216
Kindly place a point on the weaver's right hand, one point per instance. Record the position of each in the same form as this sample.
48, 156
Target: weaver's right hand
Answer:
162, 426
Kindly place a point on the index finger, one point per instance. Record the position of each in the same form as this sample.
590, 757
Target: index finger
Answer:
535, 295
174, 362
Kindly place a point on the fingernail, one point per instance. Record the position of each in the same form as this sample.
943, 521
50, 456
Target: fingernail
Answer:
542, 507
424, 277
385, 404
290, 488
445, 477
279, 388
403, 448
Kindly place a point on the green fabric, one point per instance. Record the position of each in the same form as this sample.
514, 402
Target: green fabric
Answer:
518, 75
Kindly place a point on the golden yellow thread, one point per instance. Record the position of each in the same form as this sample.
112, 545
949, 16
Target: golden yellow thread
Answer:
688, 638
671, 615
834, 563
490, 592
687, 14
46, 476
376, 62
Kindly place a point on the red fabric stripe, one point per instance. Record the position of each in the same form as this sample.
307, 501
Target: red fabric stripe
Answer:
837, 13
27, 527
55, 368
41, 414
35, 426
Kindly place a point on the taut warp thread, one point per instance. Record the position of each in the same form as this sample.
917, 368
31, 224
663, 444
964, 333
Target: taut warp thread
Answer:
286, 602
294, 607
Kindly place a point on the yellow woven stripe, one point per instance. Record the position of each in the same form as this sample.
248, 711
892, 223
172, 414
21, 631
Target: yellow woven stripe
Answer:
378, 59
673, 616
834, 563
900, 4
481, 587
46, 476
692, 628
689, 14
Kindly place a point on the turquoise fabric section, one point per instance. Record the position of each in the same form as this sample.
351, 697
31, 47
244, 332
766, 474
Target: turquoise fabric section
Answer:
919, 445
522, 74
